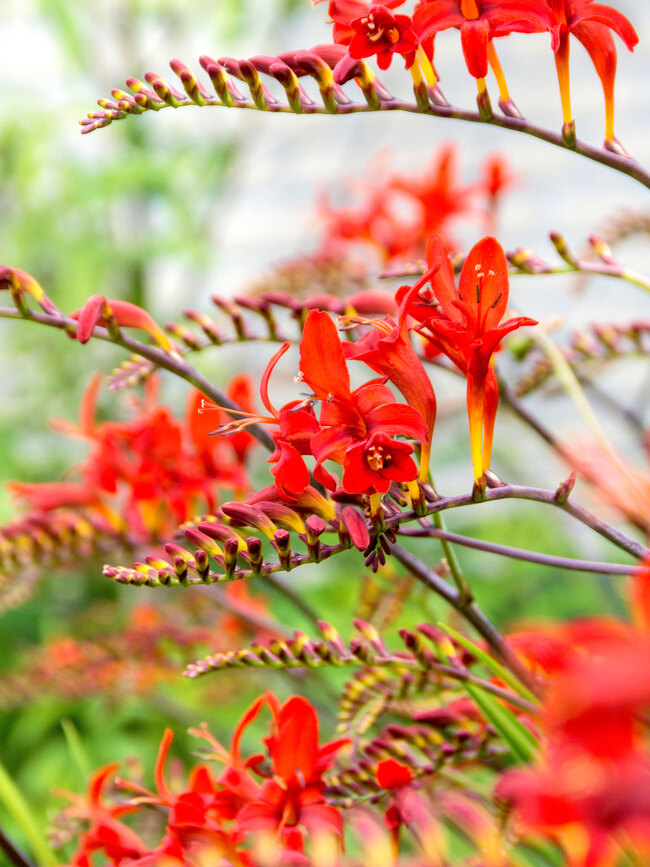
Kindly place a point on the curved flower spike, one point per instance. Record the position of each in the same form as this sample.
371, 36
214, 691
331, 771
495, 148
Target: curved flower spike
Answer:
590, 23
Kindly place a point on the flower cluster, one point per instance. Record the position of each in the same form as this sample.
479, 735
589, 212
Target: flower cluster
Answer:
357, 429
147, 475
396, 214
590, 789
276, 796
368, 29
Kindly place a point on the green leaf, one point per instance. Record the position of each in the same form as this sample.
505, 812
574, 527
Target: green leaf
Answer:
14, 802
76, 749
521, 741
490, 663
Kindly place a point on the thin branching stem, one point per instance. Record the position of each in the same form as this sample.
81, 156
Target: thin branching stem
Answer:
521, 553
173, 363
470, 611
15, 857
537, 495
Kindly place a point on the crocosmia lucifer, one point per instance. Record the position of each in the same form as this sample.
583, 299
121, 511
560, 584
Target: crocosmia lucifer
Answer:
466, 326
591, 23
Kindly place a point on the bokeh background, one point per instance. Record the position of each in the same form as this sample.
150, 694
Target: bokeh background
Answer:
166, 209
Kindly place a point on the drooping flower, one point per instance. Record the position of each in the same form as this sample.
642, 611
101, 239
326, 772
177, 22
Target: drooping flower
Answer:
467, 328
479, 22
591, 23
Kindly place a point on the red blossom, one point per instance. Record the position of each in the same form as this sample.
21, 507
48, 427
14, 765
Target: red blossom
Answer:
591, 23
106, 834
149, 474
480, 21
397, 214
351, 420
344, 12
380, 32
294, 795
467, 328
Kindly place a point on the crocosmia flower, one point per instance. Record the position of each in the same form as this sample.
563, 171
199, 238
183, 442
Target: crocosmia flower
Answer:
467, 327
591, 23
480, 21
356, 426
383, 33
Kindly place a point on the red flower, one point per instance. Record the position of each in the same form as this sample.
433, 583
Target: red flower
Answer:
387, 350
356, 426
383, 33
106, 834
294, 796
468, 329
590, 23
344, 12
149, 474
480, 21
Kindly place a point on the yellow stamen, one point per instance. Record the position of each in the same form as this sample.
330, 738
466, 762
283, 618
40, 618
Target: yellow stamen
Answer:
426, 66
495, 65
562, 66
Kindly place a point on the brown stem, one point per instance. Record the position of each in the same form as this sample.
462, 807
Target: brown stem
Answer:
174, 364
14, 855
470, 611
522, 554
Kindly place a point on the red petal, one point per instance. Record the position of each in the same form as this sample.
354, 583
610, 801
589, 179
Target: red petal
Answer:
371, 395
487, 295
296, 747
474, 36
290, 470
392, 774
397, 419
355, 524
264, 385
322, 361
442, 278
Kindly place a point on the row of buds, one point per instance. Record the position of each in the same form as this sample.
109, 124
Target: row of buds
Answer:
304, 652
156, 92
134, 370
51, 539
217, 541
600, 343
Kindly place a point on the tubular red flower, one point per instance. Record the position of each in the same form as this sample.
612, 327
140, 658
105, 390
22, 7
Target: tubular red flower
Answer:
591, 23
480, 21
349, 420
468, 329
